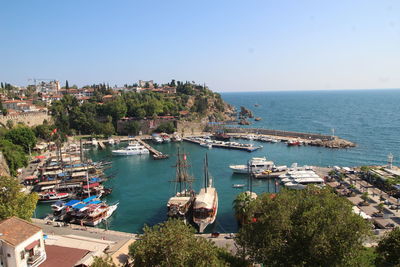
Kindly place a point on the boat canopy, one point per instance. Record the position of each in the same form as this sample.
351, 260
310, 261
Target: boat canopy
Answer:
72, 202
94, 179
94, 202
86, 200
90, 185
205, 199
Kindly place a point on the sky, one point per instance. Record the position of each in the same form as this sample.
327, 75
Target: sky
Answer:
229, 45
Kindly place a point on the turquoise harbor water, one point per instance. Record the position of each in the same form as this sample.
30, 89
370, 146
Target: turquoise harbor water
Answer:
369, 118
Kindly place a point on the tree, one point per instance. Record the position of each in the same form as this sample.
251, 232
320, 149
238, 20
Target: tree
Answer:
388, 249
103, 262
13, 202
132, 127
66, 85
364, 197
14, 154
167, 127
310, 227
242, 206
23, 136
173, 243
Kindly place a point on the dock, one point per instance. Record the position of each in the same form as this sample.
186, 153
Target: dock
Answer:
156, 154
245, 147
101, 144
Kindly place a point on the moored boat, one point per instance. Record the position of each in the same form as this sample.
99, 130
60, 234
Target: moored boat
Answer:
254, 165
134, 148
180, 205
206, 204
53, 196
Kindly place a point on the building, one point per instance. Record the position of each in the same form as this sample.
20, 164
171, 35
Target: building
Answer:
22, 243
144, 84
48, 87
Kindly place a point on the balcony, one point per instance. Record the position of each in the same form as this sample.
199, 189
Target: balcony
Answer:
36, 259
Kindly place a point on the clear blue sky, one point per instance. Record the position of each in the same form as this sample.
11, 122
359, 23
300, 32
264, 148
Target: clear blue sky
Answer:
230, 45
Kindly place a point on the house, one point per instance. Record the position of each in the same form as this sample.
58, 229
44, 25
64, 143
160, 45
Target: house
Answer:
22, 243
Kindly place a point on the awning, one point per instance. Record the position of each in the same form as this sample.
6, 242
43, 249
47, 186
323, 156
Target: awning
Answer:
40, 157
86, 200
32, 177
90, 185
32, 245
72, 202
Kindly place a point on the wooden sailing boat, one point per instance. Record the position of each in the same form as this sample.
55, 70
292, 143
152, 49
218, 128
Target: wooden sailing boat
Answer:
206, 204
180, 205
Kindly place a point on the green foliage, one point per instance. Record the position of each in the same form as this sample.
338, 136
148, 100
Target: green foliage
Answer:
23, 136
70, 116
167, 127
13, 202
43, 131
14, 154
103, 262
388, 249
132, 128
242, 205
173, 243
310, 227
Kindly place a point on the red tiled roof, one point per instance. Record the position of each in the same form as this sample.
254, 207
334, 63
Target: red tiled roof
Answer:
63, 256
16, 230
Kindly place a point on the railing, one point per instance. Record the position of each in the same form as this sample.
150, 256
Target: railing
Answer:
33, 260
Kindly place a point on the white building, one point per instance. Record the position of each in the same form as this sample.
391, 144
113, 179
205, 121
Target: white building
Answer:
21, 244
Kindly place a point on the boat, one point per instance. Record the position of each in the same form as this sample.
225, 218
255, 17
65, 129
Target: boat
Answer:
165, 138
53, 196
134, 148
156, 138
111, 141
221, 136
238, 185
181, 204
293, 143
206, 204
254, 165
258, 119
206, 144
176, 138
300, 179
97, 212
90, 211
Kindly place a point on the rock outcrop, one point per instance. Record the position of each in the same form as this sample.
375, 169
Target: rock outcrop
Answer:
4, 170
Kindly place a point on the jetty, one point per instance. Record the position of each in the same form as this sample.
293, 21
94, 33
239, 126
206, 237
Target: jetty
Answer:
311, 139
227, 145
156, 154
101, 144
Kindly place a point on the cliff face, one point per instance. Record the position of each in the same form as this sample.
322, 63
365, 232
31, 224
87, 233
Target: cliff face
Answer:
4, 170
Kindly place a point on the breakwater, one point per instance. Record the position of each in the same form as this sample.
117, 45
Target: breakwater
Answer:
310, 136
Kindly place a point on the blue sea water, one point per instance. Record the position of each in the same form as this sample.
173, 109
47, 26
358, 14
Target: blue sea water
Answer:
370, 118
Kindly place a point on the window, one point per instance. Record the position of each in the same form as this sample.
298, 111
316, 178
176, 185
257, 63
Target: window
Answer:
22, 255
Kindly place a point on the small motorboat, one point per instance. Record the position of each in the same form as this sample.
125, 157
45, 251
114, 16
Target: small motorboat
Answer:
53, 196
238, 185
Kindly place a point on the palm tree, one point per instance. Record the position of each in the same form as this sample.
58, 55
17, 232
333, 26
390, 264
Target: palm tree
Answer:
242, 206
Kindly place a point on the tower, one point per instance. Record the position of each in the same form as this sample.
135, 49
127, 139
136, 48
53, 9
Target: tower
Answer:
390, 161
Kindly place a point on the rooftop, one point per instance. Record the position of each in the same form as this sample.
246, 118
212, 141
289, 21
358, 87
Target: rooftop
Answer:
15, 230
63, 256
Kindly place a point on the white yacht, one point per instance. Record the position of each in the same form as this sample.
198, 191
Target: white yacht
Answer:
134, 148
254, 165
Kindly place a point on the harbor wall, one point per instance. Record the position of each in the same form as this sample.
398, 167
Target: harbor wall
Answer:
146, 126
310, 136
30, 119
188, 127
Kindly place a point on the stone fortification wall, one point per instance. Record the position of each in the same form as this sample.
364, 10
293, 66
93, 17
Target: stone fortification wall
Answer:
146, 126
309, 136
30, 119
188, 127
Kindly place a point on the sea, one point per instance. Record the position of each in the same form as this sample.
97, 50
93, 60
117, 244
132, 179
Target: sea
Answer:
369, 118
